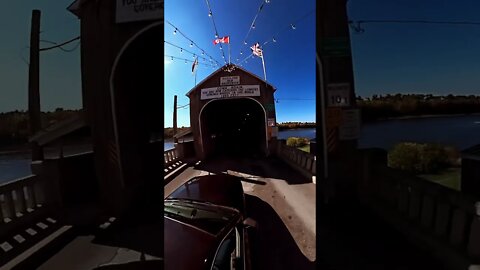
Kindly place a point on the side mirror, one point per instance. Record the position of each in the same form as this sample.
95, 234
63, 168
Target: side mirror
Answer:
249, 223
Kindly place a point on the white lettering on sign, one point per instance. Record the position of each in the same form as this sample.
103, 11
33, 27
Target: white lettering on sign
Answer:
230, 80
350, 128
230, 91
138, 10
338, 94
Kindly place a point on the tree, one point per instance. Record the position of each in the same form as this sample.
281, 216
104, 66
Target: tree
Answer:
418, 158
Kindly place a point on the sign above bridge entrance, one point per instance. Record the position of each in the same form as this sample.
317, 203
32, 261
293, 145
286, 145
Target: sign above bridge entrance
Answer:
230, 80
230, 91
138, 10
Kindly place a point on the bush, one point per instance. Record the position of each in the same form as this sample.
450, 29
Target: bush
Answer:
418, 158
297, 142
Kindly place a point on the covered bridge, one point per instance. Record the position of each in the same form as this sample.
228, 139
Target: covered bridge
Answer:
232, 112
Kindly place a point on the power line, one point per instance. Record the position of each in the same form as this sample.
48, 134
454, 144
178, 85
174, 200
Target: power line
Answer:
191, 41
61, 44
65, 50
252, 25
210, 14
292, 26
357, 25
183, 106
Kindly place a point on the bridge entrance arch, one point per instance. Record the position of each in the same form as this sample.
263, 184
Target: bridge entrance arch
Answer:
233, 126
121, 62
232, 112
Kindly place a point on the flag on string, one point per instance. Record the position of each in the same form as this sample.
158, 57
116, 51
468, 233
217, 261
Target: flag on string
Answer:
256, 50
194, 65
225, 39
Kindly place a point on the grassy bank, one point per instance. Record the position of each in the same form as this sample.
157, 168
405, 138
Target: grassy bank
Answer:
450, 178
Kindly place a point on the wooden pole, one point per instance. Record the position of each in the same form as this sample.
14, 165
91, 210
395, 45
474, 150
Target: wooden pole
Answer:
34, 84
175, 140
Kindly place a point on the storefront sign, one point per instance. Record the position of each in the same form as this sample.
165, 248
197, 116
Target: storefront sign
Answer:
230, 91
338, 94
230, 80
138, 10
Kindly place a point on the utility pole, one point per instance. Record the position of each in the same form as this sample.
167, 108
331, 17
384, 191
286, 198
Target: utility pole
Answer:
175, 140
34, 84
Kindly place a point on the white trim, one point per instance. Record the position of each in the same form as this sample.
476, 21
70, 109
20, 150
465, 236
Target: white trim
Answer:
203, 107
112, 93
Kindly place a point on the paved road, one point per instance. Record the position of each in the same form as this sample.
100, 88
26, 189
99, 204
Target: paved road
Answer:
280, 200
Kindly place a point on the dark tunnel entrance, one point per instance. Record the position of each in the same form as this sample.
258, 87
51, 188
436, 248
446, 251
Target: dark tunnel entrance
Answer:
138, 104
233, 127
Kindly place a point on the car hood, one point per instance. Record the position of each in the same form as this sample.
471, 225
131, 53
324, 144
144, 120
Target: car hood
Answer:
186, 247
222, 189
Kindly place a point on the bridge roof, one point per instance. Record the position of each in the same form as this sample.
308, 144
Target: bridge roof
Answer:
76, 6
183, 133
221, 70
59, 130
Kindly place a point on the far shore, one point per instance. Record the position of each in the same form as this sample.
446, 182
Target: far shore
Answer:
407, 117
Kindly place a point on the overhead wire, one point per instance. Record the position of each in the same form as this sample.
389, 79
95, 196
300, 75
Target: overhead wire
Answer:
210, 14
191, 41
65, 50
358, 28
60, 45
183, 49
252, 25
187, 60
292, 26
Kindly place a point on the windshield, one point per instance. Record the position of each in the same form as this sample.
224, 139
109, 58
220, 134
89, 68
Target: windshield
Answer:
208, 217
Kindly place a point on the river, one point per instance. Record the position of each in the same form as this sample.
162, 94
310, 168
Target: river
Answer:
309, 133
458, 131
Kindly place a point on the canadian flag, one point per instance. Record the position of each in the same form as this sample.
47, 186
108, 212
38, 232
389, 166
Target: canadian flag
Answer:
225, 39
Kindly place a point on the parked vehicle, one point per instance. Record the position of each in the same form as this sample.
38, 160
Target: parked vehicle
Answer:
206, 226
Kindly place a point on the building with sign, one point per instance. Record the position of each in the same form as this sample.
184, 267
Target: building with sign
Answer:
232, 112
121, 59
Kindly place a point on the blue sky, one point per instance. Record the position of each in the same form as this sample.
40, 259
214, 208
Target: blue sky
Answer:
416, 58
59, 71
290, 62
388, 58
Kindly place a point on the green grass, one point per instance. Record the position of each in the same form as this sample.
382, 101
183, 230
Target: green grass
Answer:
449, 178
305, 148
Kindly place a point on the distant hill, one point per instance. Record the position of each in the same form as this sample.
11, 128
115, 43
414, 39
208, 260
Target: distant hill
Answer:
294, 125
399, 105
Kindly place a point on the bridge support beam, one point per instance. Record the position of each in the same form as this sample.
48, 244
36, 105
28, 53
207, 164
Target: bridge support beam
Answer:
333, 49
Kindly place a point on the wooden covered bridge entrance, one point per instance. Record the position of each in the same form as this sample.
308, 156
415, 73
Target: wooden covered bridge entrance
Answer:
232, 112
